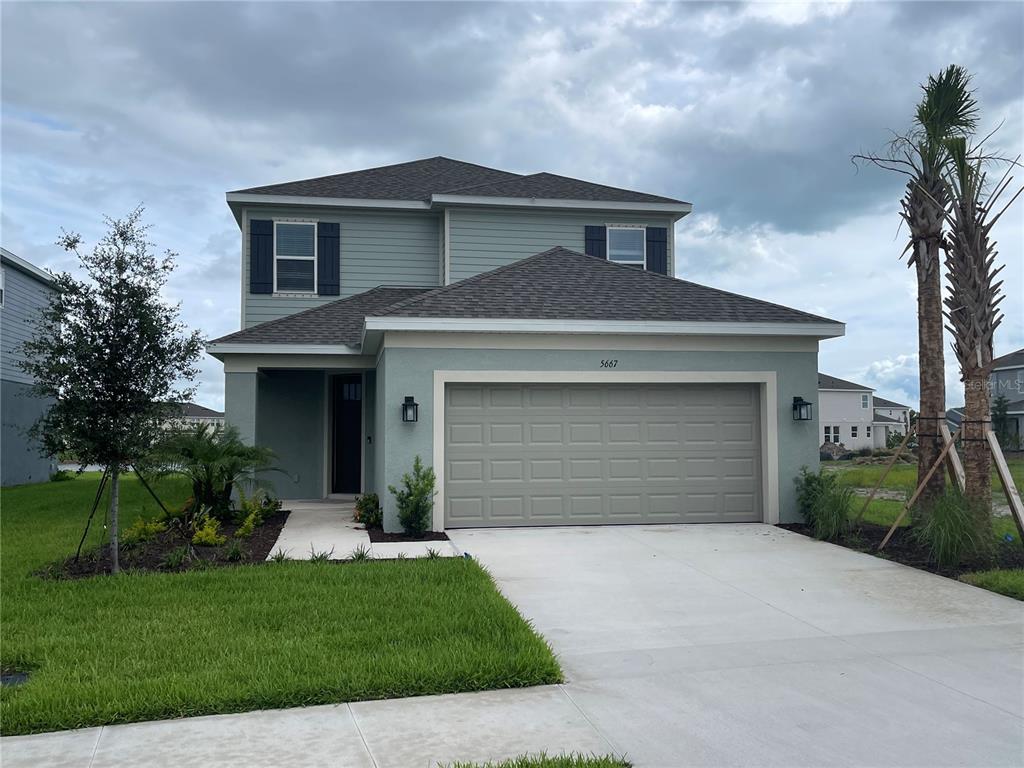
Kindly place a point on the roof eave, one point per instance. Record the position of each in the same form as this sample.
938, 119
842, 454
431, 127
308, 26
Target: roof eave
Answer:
220, 350
257, 198
27, 268
678, 209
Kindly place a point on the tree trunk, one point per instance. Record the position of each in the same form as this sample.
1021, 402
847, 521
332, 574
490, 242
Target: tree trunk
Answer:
977, 458
115, 487
932, 371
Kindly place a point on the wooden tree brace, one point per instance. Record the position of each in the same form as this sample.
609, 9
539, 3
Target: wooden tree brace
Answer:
1012, 494
888, 467
953, 464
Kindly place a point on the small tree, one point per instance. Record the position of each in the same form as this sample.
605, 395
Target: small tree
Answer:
415, 499
111, 353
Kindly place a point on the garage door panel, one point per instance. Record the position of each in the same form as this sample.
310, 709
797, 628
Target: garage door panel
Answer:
585, 454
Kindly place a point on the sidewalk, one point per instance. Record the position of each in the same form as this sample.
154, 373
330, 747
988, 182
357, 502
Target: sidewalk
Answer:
395, 733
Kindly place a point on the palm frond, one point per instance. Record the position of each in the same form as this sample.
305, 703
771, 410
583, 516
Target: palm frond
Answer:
948, 107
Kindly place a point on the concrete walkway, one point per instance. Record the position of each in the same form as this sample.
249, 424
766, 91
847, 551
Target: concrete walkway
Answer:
716, 645
326, 526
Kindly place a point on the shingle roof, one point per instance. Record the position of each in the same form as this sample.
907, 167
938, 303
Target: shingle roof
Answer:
552, 186
560, 284
1012, 360
831, 382
419, 179
339, 322
194, 410
881, 402
880, 419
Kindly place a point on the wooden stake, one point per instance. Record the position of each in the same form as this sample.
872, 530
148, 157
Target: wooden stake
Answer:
953, 464
885, 473
1012, 494
906, 507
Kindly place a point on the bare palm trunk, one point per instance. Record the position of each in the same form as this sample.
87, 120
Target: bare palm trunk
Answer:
115, 487
977, 458
932, 370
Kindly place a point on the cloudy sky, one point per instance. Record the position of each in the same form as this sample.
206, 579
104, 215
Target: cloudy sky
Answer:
751, 112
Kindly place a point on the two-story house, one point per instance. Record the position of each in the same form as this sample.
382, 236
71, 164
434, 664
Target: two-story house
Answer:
1006, 380
525, 336
851, 414
24, 292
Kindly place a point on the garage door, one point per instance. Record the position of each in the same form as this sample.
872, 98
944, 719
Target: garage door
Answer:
580, 454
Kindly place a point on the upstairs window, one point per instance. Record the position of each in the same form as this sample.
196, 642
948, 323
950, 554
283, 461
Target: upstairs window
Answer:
627, 245
865, 401
294, 257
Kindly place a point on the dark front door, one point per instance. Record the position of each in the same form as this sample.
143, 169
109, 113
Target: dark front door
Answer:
347, 407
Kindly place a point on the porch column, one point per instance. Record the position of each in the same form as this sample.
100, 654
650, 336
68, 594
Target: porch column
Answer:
240, 404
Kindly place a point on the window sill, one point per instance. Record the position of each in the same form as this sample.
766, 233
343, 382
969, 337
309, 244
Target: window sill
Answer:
293, 294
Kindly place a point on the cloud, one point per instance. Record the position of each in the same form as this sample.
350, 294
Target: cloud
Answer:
749, 111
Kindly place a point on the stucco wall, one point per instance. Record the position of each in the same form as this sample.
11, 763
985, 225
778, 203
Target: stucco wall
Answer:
409, 371
21, 462
290, 420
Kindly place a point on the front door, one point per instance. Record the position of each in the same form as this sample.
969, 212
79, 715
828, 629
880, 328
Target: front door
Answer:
347, 409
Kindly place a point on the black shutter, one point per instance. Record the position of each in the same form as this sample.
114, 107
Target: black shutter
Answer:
595, 242
657, 250
261, 256
328, 258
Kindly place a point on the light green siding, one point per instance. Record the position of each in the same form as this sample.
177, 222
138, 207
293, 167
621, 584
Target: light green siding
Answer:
240, 400
410, 372
377, 248
290, 420
481, 239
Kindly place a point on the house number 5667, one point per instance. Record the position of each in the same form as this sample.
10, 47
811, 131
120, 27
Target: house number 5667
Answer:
609, 363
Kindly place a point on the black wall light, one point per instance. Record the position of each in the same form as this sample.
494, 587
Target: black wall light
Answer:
802, 410
410, 409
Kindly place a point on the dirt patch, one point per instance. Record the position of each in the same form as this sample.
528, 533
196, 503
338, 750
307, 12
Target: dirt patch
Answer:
377, 536
904, 548
171, 551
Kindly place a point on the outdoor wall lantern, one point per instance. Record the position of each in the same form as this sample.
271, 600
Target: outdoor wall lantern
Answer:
410, 409
801, 409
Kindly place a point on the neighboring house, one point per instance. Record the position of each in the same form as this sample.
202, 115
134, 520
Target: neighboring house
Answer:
851, 414
192, 415
524, 336
24, 292
1007, 380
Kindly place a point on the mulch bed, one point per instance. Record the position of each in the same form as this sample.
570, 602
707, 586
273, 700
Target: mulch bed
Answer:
904, 548
377, 536
152, 555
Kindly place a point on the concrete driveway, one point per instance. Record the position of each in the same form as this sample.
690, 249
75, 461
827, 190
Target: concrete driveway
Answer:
748, 645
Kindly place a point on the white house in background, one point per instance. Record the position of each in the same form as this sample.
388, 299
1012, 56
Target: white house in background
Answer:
193, 415
850, 414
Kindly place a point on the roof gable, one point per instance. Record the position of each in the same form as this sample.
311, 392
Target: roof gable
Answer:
832, 382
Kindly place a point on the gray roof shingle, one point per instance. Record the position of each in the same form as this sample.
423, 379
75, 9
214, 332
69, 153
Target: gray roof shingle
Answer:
1012, 360
831, 382
339, 322
560, 284
419, 179
881, 402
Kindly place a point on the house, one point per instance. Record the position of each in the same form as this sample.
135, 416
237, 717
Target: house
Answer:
1006, 380
853, 415
24, 292
524, 335
192, 415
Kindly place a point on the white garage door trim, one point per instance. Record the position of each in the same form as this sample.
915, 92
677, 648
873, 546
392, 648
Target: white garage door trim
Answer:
767, 389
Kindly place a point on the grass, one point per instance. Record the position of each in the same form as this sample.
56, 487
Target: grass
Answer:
1006, 581
904, 476
150, 646
558, 761
884, 512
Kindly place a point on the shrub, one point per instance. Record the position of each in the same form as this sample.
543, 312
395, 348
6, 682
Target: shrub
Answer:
360, 554
865, 452
234, 553
142, 530
320, 556
208, 533
415, 499
61, 475
177, 557
279, 556
824, 503
950, 530
250, 524
368, 511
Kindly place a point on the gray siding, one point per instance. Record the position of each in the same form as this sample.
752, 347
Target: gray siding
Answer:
377, 248
480, 240
290, 420
22, 461
1008, 383
24, 299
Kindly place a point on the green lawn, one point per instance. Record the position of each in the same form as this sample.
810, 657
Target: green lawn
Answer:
150, 646
558, 761
1005, 581
904, 476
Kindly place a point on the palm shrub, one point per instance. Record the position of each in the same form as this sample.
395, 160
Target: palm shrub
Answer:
824, 503
215, 460
950, 532
415, 499
368, 511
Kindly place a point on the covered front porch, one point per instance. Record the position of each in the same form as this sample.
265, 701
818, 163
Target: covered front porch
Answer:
319, 422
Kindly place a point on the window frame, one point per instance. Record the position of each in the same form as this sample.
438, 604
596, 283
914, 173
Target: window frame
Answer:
865, 400
315, 258
853, 430
867, 430
608, 244
3, 286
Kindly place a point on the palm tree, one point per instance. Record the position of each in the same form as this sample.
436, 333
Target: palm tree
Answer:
972, 306
947, 109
